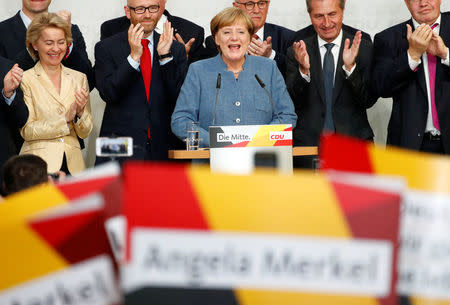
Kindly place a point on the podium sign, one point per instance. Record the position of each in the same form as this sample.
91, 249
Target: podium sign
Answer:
237, 149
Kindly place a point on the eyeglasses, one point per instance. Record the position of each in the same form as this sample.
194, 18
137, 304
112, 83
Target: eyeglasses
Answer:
141, 9
251, 5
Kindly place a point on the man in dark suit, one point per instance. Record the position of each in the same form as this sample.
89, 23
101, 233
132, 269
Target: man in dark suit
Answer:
328, 71
136, 108
13, 112
13, 33
186, 32
411, 65
270, 40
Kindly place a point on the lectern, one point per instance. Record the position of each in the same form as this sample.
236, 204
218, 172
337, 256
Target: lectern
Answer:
237, 149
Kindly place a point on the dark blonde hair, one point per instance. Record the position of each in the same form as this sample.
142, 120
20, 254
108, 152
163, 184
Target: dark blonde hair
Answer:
40, 23
228, 17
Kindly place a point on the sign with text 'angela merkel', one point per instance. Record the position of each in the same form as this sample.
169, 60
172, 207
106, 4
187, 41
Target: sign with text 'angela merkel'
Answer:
198, 238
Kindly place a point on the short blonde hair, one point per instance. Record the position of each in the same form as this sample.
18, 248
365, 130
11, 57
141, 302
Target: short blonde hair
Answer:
228, 17
40, 23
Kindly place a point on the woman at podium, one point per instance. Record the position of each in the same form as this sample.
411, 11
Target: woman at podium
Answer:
232, 88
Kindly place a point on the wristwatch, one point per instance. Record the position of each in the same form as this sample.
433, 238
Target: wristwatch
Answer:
168, 55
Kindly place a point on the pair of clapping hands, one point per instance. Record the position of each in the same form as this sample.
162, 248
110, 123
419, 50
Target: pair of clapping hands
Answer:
424, 39
349, 53
12, 81
136, 34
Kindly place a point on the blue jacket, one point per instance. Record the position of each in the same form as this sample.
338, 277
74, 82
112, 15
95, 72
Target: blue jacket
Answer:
240, 102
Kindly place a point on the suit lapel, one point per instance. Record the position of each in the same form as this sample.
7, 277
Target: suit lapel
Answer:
46, 82
339, 75
19, 29
312, 46
66, 84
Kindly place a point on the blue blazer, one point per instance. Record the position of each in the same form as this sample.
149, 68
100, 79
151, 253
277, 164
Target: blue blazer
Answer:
127, 112
281, 41
240, 102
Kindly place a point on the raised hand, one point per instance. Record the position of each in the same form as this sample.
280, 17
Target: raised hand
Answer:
419, 40
166, 39
135, 35
66, 15
187, 45
12, 80
301, 55
70, 114
260, 48
81, 99
437, 46
350, 53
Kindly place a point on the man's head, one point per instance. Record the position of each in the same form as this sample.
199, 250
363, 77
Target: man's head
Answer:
256, 9
33, 7
424, 11
145, 12
22, 172
326, 17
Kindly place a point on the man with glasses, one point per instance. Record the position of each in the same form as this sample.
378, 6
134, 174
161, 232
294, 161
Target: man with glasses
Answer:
14, 29
139, 73
328, 77
412, 66
186, 32
270, 40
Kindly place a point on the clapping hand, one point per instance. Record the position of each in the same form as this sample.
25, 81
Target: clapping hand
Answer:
166, 39
419, 40
81, 99
66, 15
302, 57
12, 80
437, 46
135, 35
187, 45
260, 48
350, 53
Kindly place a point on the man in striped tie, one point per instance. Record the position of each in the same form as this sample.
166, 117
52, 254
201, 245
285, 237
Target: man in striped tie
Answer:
412, 66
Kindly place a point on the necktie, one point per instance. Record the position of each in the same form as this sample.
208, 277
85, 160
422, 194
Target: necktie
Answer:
146, 70
328, 79
146, 67
432, 60
256, 36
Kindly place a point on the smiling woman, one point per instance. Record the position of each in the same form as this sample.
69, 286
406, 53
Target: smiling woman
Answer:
225, 90
57, 98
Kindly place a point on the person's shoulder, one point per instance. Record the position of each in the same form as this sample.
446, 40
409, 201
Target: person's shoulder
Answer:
261, 62
304, 33
352, 31
115, 22
5, 24
114, 40
394, 30
280, 30
184, 22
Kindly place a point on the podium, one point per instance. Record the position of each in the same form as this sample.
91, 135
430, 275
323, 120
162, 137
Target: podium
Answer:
239, 149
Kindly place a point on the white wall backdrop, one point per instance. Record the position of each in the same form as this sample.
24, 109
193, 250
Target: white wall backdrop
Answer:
370, 16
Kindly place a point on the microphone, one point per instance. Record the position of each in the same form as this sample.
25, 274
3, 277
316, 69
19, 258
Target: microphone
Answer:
261, 83
218, 84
